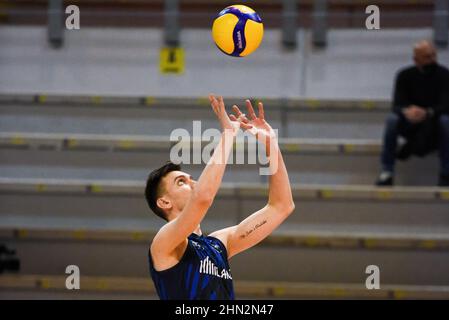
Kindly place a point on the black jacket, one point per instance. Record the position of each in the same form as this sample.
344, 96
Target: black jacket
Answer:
429, 90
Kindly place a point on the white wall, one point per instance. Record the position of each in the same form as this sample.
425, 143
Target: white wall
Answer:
356, 64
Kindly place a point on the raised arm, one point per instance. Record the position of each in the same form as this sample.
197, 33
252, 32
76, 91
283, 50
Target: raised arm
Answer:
175, 232
280, 203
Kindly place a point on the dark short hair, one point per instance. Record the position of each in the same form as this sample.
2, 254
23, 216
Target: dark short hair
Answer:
153, 190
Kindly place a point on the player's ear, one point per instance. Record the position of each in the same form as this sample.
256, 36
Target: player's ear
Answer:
164, 203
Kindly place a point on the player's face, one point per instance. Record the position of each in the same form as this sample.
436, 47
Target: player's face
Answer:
179, 186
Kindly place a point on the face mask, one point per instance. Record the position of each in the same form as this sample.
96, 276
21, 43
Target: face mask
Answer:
428, 68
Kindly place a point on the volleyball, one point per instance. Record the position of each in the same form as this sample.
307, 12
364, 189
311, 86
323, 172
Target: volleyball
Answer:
237, 30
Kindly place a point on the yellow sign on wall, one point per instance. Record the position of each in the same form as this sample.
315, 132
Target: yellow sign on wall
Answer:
172, 60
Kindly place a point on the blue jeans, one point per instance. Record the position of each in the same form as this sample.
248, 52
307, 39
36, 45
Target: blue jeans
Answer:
393, 131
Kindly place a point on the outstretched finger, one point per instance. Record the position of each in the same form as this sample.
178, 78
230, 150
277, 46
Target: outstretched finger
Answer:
251, 112
213, 103
243, 118
246, 126
236, 110
261, 112
221, 102
232, 117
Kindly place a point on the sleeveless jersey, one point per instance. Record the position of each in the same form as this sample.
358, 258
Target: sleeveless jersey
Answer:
203, 273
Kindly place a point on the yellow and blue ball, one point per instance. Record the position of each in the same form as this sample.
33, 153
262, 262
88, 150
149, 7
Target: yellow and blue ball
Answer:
237, 30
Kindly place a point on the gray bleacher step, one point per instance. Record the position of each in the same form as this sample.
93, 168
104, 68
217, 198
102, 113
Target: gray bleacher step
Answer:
309, 235
22, 286
312, 169
399, 206
306, 123
308, 118
125, 254
332, 161
227, 211
143, 102
49, 294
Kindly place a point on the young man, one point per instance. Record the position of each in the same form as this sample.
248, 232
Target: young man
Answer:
185, 264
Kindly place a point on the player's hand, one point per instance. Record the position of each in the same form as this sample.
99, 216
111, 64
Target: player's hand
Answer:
220, 110
255, 124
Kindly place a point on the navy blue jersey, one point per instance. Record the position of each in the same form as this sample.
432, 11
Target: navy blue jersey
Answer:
203, 273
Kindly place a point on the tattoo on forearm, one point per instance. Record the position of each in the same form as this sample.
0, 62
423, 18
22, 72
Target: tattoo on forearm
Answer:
248, 232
